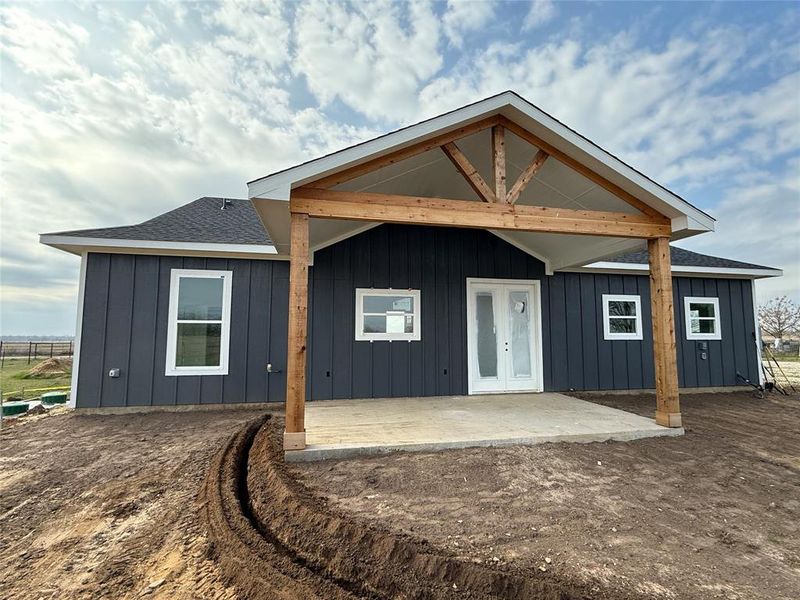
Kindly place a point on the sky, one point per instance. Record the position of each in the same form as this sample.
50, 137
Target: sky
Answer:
112, 113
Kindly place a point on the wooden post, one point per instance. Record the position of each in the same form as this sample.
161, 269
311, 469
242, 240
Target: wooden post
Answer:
294, 437
668, 411
499, 160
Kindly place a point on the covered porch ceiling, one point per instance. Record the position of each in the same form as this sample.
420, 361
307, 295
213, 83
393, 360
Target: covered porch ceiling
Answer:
432, 174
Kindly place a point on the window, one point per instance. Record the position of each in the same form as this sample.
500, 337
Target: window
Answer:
622, 317
702, 318
199, 322
390, 315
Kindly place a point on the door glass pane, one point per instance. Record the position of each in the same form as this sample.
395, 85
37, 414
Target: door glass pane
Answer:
200, 299
198, 344
519, 319
487, 334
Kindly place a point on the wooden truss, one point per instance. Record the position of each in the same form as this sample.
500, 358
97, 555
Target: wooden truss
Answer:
498, 209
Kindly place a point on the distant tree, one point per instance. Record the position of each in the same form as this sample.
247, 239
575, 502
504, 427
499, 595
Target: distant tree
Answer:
779, 317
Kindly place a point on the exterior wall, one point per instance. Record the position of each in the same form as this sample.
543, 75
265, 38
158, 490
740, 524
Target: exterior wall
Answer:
439, 260
125, 324
126, 301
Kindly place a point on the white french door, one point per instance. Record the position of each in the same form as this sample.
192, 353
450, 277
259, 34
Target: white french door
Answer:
504, 342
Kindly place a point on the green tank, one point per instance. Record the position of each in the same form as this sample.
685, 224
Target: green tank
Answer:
11, 409
51, 398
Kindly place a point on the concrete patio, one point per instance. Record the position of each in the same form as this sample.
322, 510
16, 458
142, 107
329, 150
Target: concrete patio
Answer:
346, 428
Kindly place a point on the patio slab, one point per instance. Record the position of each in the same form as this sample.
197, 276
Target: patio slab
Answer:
346, 428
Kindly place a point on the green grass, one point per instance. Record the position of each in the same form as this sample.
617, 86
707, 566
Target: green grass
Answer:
12, 379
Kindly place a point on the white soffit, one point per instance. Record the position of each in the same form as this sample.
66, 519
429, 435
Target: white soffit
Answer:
687, 219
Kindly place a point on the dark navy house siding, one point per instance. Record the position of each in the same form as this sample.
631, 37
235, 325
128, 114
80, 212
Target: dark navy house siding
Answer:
126, 299
125, 323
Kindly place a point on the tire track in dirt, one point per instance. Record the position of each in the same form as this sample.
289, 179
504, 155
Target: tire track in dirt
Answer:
273, 538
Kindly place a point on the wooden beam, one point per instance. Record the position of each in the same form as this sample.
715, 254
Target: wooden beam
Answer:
470, 173
526, 176
294, 437
580, 168
668, 411
499, 160
398, 155
363, 206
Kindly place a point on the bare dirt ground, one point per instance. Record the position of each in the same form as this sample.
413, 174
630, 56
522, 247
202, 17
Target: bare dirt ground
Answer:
105, 506
713, 514
200, 505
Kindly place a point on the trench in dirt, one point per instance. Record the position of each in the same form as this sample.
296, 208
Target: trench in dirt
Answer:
273, 538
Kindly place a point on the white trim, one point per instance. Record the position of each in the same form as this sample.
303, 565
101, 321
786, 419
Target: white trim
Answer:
278, 186
343, 236
225, 321
757, 324
67, 240
76, 347
678, 269
637, 301
548, 267
687, 321
360, 336
537, 372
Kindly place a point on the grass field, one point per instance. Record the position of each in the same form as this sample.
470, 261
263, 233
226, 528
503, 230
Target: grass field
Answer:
14, 383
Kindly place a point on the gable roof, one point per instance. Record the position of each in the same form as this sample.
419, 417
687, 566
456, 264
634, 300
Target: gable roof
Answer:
202, 220
202, 227
684, 262
199, 227
278, 185
687, 258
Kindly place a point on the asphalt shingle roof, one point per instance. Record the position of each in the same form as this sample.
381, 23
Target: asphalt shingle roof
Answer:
200, 221
687, 258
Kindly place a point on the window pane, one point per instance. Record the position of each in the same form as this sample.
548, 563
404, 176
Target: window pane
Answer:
198, 345
382, 304
620, 325
703, 325
487, 336
519, 315
701, 309
374, 324
619, 308
200, 298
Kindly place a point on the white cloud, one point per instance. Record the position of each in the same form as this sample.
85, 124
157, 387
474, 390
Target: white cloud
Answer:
464, 16
760, 223
540, 13
364, 55
40, 47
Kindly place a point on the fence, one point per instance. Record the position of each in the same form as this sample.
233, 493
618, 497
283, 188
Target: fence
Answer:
31, 350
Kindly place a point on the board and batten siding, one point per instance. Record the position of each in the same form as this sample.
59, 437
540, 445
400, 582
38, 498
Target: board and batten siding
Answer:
438, 261
126, 301
127, 297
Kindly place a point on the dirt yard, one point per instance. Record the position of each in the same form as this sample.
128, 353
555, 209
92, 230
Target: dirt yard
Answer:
714, 514
105, 506
188, 505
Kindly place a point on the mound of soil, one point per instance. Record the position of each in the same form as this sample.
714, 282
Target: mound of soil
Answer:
52, 367
273, 538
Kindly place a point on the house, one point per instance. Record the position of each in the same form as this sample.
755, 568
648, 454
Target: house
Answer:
490, 249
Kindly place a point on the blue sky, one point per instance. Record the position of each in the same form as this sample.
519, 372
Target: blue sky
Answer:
115, 112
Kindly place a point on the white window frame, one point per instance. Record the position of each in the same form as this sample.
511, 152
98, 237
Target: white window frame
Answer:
414, 336
717, 335
172, 328
608, 334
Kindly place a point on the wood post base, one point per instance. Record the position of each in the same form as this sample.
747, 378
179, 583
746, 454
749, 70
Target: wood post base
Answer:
668, 419
294, 440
